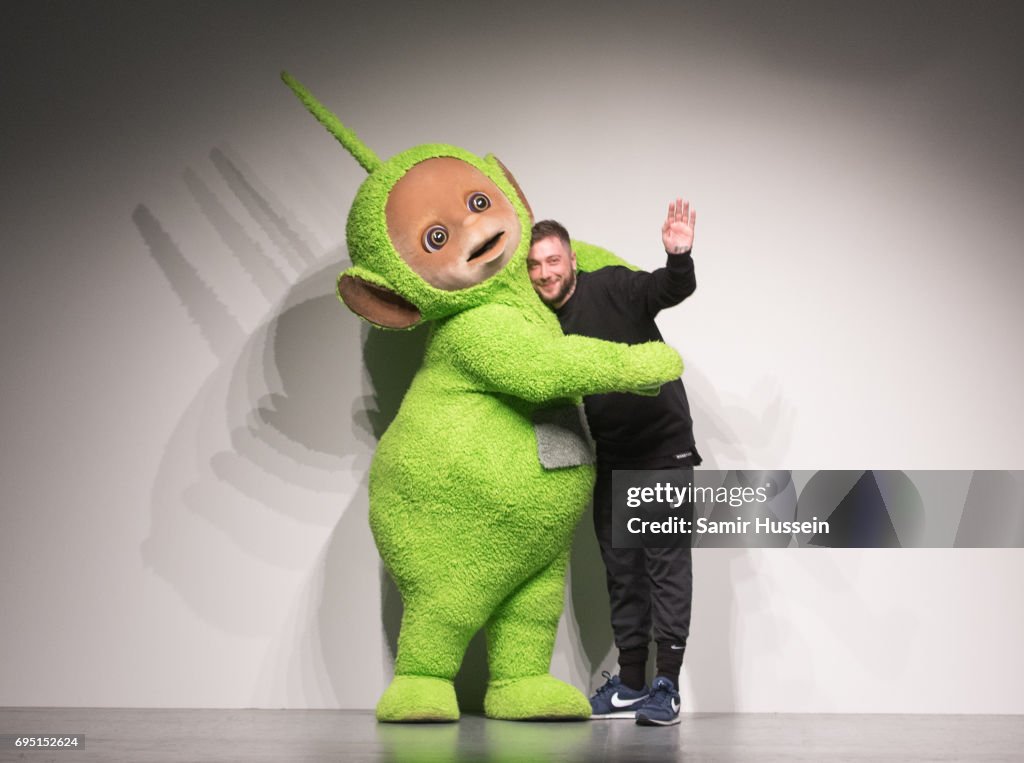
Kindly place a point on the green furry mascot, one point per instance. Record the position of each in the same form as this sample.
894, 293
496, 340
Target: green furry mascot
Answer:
477, 485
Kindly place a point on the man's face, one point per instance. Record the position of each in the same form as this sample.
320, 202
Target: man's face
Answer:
552, 268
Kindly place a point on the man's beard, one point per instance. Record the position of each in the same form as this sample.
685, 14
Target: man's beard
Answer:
567, 285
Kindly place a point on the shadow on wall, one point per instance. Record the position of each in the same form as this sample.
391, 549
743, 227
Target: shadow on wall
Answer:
260, 496
723, 576
589, 602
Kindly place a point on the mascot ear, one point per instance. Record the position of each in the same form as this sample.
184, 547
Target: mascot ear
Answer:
511, 179
375, 302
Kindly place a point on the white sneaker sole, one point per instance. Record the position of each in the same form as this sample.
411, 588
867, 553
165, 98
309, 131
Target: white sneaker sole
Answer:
627, 714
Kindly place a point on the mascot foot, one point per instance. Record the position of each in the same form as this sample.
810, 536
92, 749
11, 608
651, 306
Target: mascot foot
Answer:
535, 698
418, 699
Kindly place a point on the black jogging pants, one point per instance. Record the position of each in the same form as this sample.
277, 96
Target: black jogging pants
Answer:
646, 586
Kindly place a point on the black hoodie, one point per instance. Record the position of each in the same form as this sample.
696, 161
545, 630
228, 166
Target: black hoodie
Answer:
619, 305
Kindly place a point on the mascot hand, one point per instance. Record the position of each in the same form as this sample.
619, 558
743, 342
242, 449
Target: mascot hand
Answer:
655, 364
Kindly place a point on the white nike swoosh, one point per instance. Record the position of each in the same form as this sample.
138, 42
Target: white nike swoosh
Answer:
675, 706
675, 648
616, 702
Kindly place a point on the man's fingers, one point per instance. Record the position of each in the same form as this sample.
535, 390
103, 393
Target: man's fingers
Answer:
680, 211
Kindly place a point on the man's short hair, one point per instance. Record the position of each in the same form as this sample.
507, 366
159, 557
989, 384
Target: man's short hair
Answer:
546, 228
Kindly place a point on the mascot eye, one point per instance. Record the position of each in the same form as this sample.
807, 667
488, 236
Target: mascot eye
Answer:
435, 237
478, 202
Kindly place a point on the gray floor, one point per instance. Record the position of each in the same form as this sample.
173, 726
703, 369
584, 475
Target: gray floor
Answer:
339, 735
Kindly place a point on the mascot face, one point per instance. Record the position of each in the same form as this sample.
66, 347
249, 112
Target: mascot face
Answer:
451, 224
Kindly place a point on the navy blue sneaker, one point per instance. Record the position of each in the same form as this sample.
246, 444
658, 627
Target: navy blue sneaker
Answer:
615, 699
661, 707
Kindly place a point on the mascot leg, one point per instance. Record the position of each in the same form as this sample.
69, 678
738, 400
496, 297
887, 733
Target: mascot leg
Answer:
520, 640
431, 644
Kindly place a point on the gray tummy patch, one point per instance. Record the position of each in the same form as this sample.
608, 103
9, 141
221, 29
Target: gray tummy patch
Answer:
562, 438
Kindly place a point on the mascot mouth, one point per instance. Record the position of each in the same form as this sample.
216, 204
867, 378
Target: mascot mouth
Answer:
486, 246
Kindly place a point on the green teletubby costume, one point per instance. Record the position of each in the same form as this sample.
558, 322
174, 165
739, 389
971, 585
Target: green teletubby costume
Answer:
472, 526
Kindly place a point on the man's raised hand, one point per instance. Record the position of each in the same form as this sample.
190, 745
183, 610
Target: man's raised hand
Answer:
677, 231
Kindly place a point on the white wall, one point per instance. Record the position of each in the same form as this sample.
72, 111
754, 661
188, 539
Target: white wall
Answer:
188, 418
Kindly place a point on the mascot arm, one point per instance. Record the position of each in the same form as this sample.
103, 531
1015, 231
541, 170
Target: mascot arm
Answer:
590, 257
503, 353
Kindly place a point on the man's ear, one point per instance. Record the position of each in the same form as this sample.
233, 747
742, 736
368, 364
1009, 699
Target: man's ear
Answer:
512, 180
376, 303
